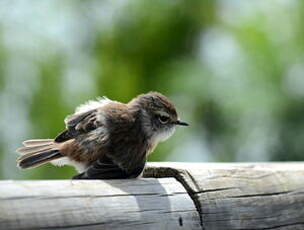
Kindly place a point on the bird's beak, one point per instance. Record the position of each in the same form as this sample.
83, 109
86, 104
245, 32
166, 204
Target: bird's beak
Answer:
181, 123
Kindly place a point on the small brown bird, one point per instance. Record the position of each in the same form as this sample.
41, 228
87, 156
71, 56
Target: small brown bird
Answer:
106, 139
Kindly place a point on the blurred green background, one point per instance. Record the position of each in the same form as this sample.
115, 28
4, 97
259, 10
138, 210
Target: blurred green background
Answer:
233, 68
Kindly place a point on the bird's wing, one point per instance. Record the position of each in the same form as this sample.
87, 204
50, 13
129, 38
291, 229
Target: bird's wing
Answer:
79, 123
84, 120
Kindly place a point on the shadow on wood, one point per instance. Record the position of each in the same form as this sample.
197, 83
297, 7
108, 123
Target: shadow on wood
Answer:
95, 204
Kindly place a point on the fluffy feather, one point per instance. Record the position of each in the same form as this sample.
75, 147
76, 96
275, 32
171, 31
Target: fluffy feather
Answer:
66, 161
92, 104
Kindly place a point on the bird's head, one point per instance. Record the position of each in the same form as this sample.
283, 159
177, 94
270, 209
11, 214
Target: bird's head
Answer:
159, 116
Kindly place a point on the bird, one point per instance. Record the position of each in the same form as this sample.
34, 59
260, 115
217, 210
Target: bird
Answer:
106, 139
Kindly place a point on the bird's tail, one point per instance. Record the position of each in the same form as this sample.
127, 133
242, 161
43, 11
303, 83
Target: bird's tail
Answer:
37, 152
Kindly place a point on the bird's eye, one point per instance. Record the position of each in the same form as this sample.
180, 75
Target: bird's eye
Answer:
163, 119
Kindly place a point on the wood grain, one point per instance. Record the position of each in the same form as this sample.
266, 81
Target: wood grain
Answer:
242, 196
94, 204
256, 196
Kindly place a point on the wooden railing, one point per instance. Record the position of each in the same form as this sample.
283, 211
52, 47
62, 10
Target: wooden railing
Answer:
170, 196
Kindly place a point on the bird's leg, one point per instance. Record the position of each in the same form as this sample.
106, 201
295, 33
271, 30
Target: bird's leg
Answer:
105, 168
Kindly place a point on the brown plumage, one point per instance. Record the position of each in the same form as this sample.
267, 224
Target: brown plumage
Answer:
107, 139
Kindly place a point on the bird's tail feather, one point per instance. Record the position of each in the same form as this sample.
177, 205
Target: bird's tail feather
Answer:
37, 152
37, 142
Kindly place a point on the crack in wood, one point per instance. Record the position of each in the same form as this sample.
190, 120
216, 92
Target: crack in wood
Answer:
90, 196
215, 190
162, 172
130, 223
261, 194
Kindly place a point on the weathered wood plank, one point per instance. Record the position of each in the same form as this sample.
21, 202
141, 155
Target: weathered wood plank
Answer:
242, 196
111, 204
227, 196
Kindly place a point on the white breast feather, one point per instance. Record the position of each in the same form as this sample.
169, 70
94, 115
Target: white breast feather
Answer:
163, 136
160, 137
